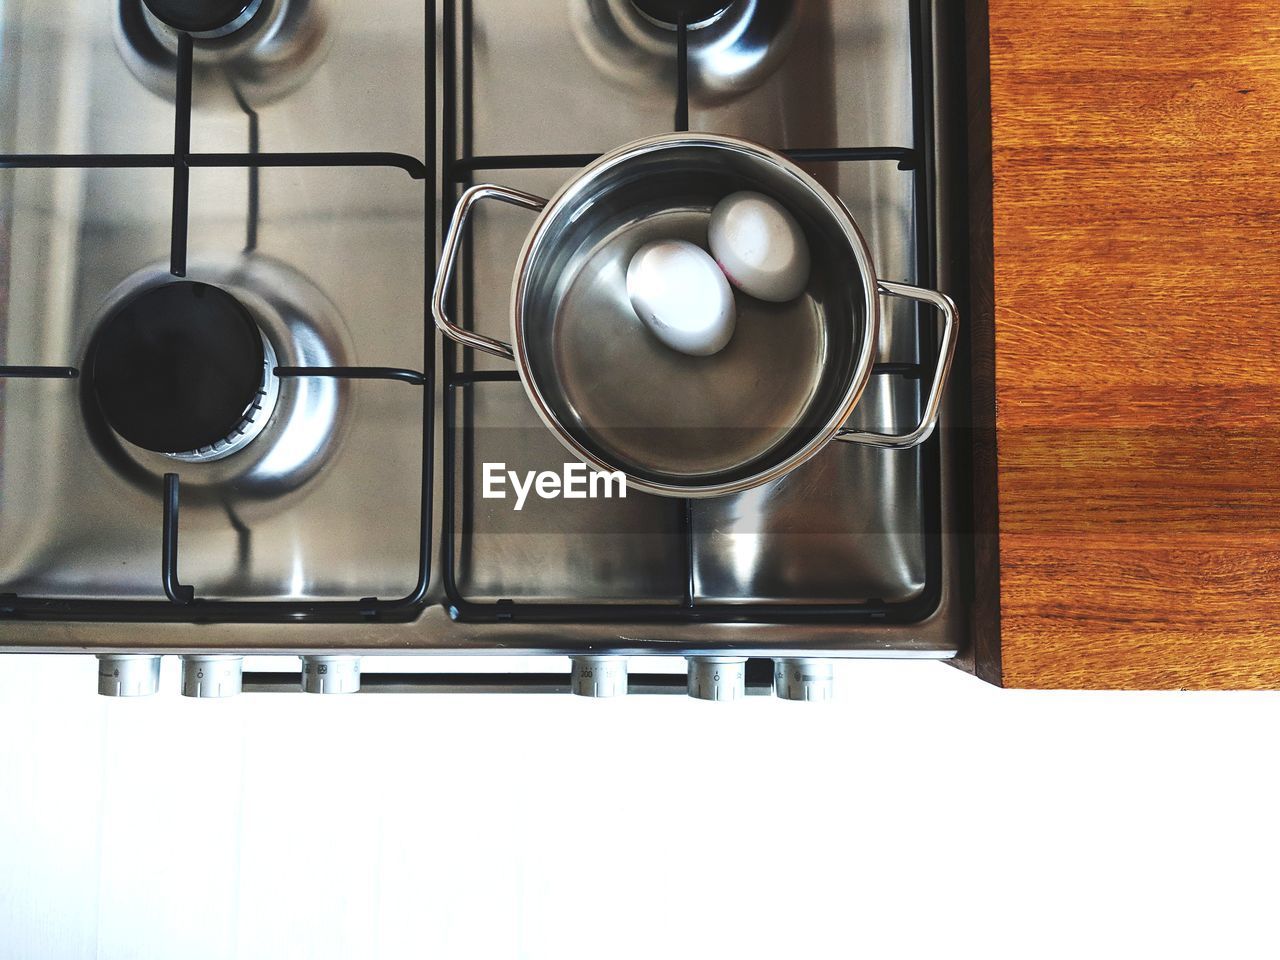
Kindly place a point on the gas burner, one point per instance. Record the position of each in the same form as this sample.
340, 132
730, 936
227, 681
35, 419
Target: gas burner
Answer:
245, 52
732, 48
695, 13
206, 19
183, 369
299, 423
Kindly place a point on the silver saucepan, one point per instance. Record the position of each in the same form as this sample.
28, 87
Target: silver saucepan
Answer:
679, 425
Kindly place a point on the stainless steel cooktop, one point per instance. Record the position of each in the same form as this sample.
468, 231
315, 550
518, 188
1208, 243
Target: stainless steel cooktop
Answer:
327, 143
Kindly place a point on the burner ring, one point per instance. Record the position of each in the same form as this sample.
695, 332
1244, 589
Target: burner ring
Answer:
733, 47
267, 50
696, 13
206, 19
183, 369
251, 424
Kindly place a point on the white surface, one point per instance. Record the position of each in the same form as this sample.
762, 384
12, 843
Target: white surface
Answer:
938, 818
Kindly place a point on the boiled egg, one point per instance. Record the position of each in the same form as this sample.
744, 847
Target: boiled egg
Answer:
759, 246
682, 296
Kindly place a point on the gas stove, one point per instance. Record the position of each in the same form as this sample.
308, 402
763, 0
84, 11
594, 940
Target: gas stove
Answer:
228, 427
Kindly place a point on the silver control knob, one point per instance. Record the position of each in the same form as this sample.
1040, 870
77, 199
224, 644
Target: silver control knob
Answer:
128, 675
717, 678
803, 678
599, 676
330, 674
207, 676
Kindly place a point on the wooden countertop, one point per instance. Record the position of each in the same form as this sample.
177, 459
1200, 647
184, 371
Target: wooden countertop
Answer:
1136, 224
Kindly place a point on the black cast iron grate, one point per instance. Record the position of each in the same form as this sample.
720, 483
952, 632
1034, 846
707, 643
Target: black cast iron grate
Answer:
457, 172
183, 603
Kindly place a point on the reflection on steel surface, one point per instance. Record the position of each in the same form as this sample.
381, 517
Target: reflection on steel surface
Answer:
729, 54
265, 59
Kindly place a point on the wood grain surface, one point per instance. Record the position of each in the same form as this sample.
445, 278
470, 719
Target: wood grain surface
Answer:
1136, 226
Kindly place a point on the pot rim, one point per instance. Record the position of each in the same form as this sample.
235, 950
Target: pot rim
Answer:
862, 255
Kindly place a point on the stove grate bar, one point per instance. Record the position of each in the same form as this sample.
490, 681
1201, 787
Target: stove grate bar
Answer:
181, 149
459, 170
356, 373
907, 159
39, 373
174, 589
159, 161
86, 161
181, 605
682, 73
410, 165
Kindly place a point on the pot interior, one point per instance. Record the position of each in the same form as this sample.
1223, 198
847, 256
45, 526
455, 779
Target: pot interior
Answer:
661, 416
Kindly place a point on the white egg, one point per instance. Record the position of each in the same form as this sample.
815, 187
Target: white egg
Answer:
759, 246
682, 296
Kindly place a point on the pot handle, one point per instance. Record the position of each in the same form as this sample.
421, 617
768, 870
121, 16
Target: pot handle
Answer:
449, 257
946, 352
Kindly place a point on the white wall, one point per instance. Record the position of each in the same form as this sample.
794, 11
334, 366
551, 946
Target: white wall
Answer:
923, 815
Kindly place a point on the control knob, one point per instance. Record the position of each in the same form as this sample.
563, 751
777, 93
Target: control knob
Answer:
330, 674
128, 675
599, 676
211, 676
803, 678
717, 678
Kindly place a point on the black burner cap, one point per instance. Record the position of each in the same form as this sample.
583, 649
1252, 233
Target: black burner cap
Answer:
176, 368
694, 11
199, 16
